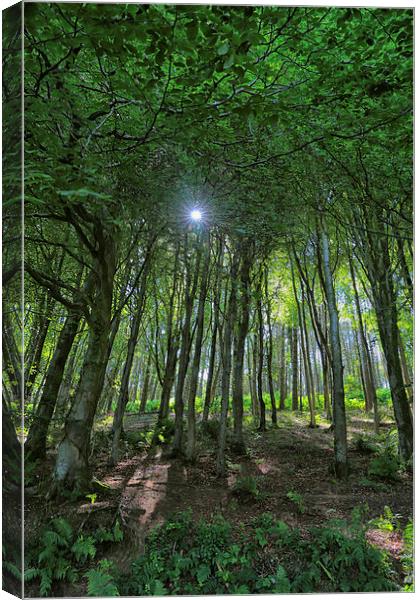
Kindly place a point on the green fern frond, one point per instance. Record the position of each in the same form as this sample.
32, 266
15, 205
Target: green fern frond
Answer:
12, 569
101, 583
84, 548
118, 533
64, 528
31, 573
46, 582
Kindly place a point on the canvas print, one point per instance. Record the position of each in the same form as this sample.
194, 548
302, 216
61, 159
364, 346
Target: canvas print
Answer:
207, 299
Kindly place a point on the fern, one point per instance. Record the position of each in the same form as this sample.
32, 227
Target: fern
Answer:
118, 533
61, 568
84, 548
100, 583
64, 528
47, 554
52, 538
12, 569
31, 573
46, 582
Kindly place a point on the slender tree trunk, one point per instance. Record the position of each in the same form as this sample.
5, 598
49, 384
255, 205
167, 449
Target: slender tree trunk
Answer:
340, 426
11, 359
253, 352
213, 347
262, 424
405, 371
371, 399
34, 368
326, 384
145, 385
190, 290
294, 359
305, 351
195, 367
68, 383
305, 347
132, 343
282, 368
405, 270
230, 317
172, 348
239, 350
270, 355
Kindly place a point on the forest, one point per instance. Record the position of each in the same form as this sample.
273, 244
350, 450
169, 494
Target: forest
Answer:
210, 370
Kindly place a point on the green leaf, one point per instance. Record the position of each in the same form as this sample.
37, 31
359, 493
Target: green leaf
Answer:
229, 61
223, 49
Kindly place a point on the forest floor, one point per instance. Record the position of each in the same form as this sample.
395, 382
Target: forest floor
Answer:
146, 487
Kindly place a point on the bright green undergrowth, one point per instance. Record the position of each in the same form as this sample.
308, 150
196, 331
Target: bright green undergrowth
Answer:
353, 396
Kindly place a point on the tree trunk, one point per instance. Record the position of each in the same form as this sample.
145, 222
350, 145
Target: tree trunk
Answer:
230, 317
132, 343
270, 355
282, 368
326, 384
71, 468
262, 424
407, 377
190, 290
239, 349
376, 258
145, 385
11, 358
294, 359
371, 399
305, 350
33, 366
213, 347
253, 351
36, 443
195, 367
340, 426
